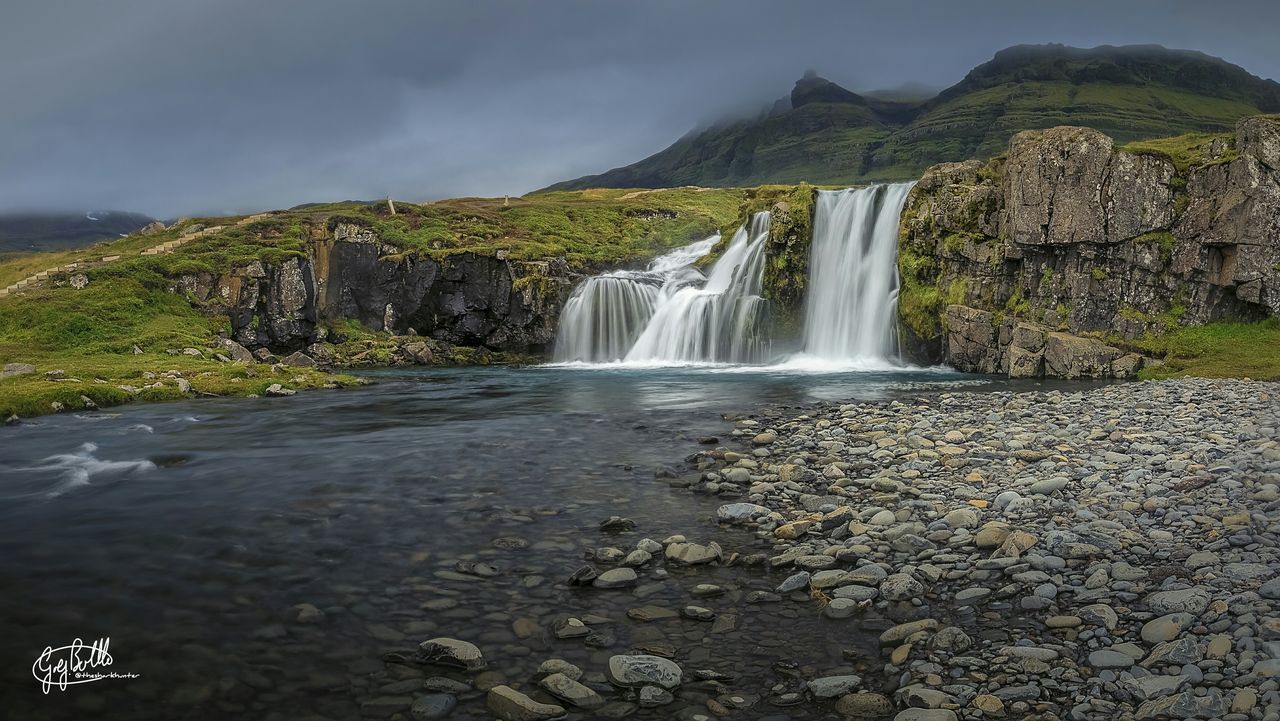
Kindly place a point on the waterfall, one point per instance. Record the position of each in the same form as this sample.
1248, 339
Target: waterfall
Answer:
670, 313
606, 313
721, 322
853, 274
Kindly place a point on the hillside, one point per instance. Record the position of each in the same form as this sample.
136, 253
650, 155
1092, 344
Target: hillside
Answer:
487, 274
32, 232
830, 135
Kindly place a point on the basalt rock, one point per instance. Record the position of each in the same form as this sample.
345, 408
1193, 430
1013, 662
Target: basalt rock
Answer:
1019, 266
348, 272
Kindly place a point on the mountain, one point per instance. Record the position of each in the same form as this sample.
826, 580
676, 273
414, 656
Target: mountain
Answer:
826, 134
31, 232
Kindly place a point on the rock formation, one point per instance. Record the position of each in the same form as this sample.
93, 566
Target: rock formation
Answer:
349, 273
1045, 261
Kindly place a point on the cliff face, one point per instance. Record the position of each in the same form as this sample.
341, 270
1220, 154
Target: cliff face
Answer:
1044, 262
349, 273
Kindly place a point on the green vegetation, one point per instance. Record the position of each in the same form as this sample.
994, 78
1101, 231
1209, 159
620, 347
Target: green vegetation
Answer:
920, 301
1018, 304
1187, 151
91, 333
790, 232
833, 136
1216, 350
586, 228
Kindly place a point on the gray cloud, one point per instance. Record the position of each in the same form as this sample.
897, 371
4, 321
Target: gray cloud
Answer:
234, 105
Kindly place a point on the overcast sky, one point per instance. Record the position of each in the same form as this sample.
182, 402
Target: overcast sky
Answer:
203, 106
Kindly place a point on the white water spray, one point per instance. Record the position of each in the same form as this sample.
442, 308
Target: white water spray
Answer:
606, 313
853, 275
670, 313
721, 322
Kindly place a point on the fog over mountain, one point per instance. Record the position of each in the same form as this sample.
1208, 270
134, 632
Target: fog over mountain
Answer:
205, 107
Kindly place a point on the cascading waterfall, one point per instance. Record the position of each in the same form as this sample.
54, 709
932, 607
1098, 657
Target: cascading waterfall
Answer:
670, 313
853, 274
606, 313
721, 322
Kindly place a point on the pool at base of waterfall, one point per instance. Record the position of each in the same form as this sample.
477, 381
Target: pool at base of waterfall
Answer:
273, 558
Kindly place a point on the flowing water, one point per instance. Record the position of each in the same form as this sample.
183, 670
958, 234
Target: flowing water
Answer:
853, 275
186, 532
606, 313
670, 314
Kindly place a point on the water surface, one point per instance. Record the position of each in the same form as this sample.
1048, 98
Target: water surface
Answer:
187, 531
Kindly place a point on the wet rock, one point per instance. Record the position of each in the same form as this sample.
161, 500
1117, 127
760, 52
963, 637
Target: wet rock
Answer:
637, 671
432, 707
864, 706
452, 652
584, 576
616, 578
307, 613
693, 553
509, 704
741, 512
926, 714
571, 692
617, 524
829, 687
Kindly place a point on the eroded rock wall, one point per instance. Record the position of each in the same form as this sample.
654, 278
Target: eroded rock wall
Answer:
349, 273
1043, 262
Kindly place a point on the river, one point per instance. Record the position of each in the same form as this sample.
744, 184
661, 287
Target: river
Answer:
187, 532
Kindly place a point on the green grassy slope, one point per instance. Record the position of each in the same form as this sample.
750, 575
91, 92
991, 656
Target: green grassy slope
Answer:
91, 333
832, 136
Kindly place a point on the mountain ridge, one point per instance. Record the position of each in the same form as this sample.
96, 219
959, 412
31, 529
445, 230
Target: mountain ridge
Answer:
831, 135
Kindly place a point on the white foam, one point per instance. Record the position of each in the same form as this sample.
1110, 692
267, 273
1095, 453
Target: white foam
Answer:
635, 365
79, 468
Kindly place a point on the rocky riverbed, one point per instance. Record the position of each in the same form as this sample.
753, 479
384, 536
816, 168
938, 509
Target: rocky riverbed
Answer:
1108, 553
1105, 554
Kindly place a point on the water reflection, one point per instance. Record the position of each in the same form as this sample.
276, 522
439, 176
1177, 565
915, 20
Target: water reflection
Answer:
194, 528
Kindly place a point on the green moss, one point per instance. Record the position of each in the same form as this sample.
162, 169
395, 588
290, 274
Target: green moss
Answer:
786, 271
1046, 275
1098, 274
920, 301
1216, 350
1133, 314
1164, 238
1018, 304
954, 243
1186, 152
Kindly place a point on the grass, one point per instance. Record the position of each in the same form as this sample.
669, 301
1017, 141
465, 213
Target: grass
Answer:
831, 143
1186, 151
1216, 350
588, 228
91, 334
